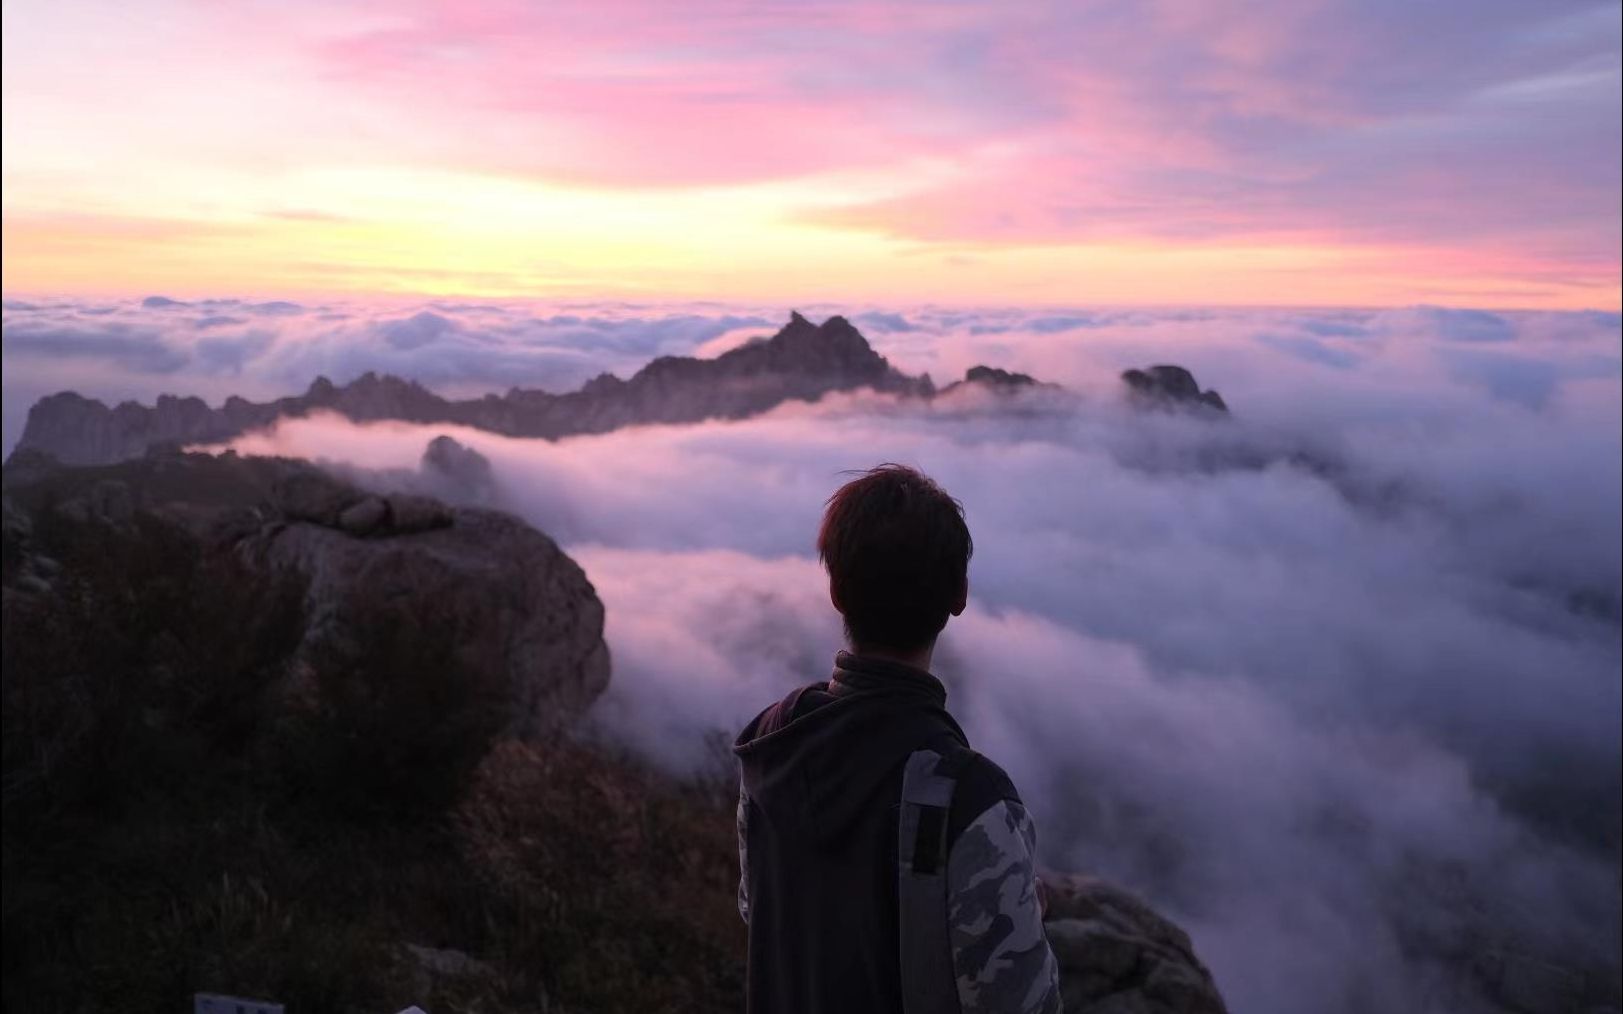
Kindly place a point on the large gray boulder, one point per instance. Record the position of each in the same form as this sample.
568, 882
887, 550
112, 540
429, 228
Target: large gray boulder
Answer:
515, 606
499, 596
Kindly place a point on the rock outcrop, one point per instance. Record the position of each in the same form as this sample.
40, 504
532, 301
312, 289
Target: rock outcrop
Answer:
456, 471
1166, 387
995, 377
513, 607
82, 431
992, 378
308, 494
1118, 956
803, 361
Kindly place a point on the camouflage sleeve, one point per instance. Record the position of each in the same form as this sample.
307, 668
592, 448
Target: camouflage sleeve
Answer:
999, 952
743, 855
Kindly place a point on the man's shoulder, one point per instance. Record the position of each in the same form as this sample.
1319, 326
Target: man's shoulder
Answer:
981, 785
780, 713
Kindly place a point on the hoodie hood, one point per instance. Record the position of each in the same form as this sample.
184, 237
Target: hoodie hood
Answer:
815, 762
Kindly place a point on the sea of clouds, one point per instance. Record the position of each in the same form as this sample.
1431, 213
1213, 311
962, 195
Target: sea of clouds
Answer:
1335, 682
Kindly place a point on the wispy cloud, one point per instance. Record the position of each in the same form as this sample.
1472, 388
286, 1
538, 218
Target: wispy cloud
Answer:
1441, 149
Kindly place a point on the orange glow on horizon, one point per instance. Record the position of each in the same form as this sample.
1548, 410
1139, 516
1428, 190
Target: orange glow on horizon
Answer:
494, 150
294, 257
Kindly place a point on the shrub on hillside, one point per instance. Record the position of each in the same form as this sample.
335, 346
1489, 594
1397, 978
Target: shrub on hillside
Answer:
197, 799
148, 661
618, 884
386, 717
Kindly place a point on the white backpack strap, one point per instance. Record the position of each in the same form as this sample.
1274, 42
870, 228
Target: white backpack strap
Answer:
929, 985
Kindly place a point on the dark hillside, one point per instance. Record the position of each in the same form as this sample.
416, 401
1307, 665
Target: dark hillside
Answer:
192, 802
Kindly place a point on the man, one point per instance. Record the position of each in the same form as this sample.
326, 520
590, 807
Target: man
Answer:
885, 865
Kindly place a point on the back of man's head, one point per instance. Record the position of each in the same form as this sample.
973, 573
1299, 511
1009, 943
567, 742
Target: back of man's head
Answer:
897, 552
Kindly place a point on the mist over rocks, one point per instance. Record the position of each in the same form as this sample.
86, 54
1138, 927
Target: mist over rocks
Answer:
802, 362
447, 474
994, 379
1318, 717
461, 470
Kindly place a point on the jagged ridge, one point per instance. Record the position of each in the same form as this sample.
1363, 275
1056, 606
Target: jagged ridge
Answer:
801, 361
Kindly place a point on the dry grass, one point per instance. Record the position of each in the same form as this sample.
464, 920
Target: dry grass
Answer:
175, 820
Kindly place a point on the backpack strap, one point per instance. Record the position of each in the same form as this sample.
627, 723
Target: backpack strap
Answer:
928, 982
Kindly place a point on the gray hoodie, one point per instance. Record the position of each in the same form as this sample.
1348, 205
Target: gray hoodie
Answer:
821, 777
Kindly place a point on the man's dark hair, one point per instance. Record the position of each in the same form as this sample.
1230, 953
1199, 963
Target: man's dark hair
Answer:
897, 552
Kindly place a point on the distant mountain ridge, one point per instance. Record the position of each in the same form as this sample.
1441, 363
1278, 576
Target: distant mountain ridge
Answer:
802, 362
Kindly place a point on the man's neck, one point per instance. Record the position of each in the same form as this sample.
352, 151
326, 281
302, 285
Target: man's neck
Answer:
919, 659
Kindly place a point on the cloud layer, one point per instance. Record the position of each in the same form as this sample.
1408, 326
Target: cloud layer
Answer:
1335, 682
119, 349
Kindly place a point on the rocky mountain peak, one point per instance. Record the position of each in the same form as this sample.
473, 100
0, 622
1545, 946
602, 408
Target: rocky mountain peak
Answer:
1165, 387
833, 348
843, 334
463, 473
602, 383
798, 333
997, 377
801, 362
371, 380
994, 379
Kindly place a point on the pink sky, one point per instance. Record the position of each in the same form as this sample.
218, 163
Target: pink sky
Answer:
1283, 151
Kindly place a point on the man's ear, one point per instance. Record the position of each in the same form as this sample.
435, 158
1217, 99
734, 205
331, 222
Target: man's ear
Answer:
963, 599
834, 597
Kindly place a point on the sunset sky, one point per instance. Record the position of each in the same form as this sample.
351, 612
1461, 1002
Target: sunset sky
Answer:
1268, 152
